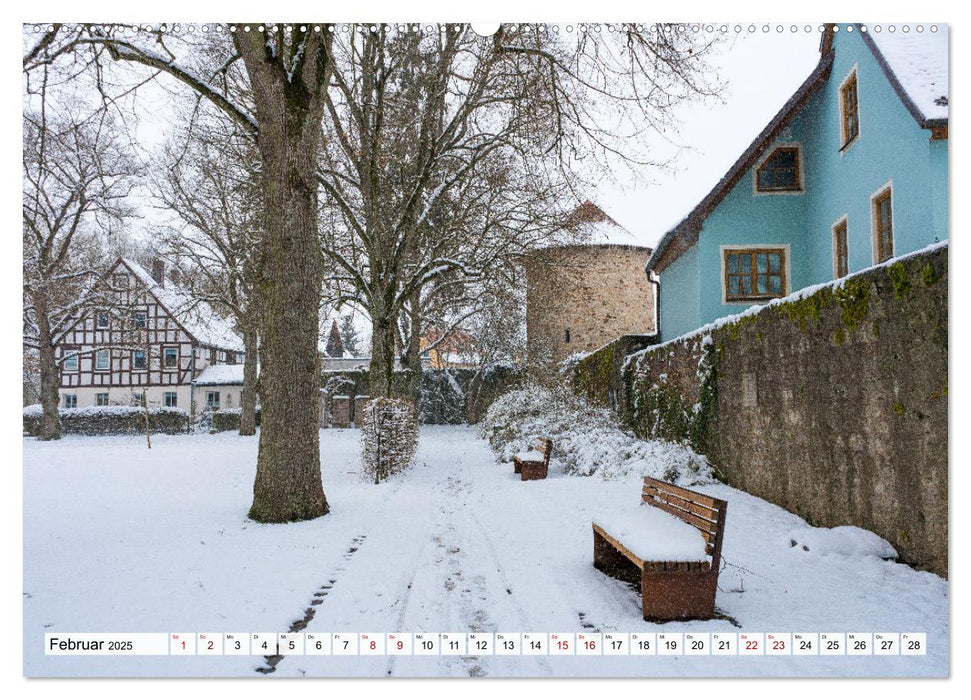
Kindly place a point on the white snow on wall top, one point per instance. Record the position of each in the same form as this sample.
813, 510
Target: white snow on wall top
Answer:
197, 317
221, 374
920, 62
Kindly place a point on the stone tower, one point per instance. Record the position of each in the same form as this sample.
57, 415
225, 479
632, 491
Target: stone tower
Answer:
580, 297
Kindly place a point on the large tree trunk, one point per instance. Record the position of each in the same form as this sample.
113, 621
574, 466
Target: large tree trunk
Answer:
289, 108
247, 417
50, 424
412, 360
381, 375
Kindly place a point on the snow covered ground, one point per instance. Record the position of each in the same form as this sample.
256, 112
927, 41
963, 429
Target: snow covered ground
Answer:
121, 538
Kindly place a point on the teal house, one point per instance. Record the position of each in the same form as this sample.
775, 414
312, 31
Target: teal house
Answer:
850, 173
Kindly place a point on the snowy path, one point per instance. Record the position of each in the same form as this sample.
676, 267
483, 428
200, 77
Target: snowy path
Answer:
118, 538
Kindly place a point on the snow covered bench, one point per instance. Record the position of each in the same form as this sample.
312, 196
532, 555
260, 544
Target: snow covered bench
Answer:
666, 542
534, 463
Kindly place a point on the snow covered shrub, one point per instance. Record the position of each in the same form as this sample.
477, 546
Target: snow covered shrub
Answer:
228, 419
587, 441
442, 401
389, 437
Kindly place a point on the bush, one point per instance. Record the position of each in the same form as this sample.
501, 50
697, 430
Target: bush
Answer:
111, 420
228, 419
587, 441
389, 437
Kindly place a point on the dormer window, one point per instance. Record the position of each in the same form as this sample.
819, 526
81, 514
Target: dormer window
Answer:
849, 111
780, 172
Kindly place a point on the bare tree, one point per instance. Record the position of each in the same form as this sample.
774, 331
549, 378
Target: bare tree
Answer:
76, 177
211, 181
451, 154
286, 69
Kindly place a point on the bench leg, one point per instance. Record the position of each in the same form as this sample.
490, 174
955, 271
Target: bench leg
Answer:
678, 596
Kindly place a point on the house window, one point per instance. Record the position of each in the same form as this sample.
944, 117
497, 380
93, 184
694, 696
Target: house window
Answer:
849, 110
70, 400
103, 319
120, 281
780, 171
170, 357
170, 399
101, 399
566, 337
883, 225
71, 360
841, 264
102, 360
138, 359
212, 356
755, 274
212, 400
231, 358
141, 319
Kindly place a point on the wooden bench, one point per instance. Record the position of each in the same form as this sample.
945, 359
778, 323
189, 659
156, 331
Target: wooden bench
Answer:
670, 589
535, 463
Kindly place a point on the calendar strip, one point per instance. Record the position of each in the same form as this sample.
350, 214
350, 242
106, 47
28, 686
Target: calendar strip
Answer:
487, 644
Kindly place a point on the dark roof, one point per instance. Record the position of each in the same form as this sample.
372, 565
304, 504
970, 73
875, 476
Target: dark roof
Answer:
687, 230
685, 233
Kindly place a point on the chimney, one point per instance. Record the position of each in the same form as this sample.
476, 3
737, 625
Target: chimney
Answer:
158, 271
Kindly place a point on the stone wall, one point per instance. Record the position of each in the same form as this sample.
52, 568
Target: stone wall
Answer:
832, 405
596, 292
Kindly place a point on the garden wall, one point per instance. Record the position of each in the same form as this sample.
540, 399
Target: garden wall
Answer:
831, 403
447, 396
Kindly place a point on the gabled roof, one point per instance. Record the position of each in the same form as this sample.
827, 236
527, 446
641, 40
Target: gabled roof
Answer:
685, 233
592, 226
915, 65
196, 317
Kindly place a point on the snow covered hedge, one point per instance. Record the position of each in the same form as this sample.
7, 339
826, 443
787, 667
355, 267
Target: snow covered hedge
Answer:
587, 441
111, 420
228, 418
389, 437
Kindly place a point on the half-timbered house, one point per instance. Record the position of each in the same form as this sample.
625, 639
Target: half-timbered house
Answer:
142, 336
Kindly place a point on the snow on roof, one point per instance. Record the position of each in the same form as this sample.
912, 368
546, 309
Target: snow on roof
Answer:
221, 374
605, 233
197, 317
920, 63
588, 224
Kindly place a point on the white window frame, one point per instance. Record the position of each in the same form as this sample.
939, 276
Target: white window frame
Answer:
209, 403
136, 368
802, 171
175, 399
787, 290
97, 398
98, 354
845, 146
70, 399
874, 231
73, 355
842, 220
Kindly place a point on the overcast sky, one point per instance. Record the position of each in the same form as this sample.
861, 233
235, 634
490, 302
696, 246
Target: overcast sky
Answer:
762, 71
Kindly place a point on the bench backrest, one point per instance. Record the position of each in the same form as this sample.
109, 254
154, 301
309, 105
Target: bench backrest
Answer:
702, 512
544, 445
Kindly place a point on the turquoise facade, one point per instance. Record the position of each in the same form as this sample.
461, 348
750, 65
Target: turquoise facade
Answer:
892, 148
